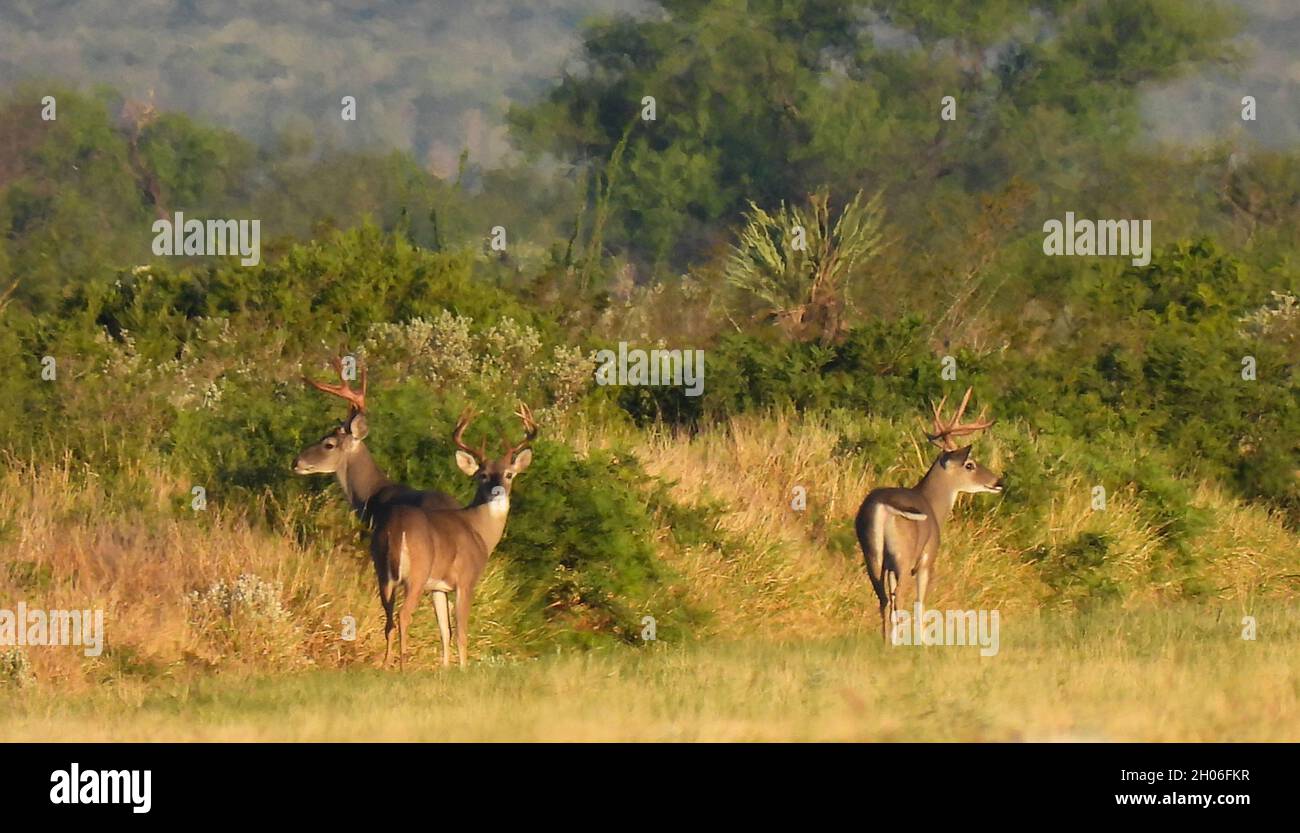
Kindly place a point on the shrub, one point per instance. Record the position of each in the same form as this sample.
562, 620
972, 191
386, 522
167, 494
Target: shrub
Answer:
1076, 572
15, 668
245, 620
248, 595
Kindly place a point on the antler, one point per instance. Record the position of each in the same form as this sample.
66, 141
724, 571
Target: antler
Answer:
356, 399
456, 436
945, 430
530, 431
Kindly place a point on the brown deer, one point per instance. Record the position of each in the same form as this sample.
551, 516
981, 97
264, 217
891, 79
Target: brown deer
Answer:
446, 551
898, 528
342, 452
379, 502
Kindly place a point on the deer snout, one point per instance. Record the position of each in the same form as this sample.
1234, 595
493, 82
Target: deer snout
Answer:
299, 467
998, 485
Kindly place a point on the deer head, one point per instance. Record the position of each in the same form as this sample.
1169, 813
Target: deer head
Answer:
333, 449
494, 477
963, 473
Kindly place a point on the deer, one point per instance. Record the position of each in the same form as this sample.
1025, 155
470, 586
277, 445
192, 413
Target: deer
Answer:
379, 503
446, 551
899, 528
342, 452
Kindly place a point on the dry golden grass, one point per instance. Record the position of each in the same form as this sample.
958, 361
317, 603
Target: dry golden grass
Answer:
782, 581
792, 579
1249, 552
1151, 674
789, 649
64, 543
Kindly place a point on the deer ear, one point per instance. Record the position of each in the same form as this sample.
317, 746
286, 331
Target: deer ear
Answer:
466, 463
957, 456
522, 459
358, 427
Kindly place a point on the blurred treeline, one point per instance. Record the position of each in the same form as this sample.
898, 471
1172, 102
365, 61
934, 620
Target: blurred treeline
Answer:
652, 232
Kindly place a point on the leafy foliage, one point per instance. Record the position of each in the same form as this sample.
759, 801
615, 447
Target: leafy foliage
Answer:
798, 266
1131, 374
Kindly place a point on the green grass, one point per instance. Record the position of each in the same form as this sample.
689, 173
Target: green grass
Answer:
1166, 674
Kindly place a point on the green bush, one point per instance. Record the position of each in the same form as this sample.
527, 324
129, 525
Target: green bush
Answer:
1158, 359
1076, 572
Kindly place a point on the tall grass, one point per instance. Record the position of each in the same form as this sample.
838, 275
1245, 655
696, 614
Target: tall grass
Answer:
798, 573
743, 561
155, 568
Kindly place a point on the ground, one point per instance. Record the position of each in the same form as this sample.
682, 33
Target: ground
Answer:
1159, 674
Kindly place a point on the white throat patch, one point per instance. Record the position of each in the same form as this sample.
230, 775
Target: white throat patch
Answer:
499, 504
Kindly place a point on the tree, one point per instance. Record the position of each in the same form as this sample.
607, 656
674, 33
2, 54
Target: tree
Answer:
763, 101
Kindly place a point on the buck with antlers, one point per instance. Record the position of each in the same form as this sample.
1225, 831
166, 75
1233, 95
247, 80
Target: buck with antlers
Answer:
382, 504
446, 551
898, 528
342, 452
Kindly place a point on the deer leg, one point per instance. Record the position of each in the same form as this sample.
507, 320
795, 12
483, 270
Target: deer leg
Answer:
883, 596
387, 595
922, 582
444, 624
876, 572
881, 587
409, 603
387, 591
463, 598
891, 587
417, 574
403, 619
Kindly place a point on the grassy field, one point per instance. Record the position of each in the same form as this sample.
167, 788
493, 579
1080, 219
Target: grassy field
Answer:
787, 648
784, 645
1179, 673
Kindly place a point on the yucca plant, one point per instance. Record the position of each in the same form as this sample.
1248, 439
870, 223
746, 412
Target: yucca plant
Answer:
797, 266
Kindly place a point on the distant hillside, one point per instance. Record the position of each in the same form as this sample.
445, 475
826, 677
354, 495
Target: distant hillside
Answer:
436, 78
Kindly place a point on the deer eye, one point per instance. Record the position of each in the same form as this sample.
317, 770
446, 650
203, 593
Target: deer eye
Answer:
510, 475
970, 466
329, 444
